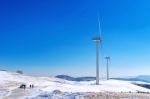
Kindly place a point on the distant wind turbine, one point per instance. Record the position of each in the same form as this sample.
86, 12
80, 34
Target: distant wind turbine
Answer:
108, 60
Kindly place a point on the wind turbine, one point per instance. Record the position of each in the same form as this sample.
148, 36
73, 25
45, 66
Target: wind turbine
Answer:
108, 60
97, 40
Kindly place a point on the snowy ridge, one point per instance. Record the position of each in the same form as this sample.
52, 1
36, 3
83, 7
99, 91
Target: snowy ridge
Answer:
9, 83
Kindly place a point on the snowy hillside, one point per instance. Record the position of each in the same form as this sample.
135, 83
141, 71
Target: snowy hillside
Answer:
10, 82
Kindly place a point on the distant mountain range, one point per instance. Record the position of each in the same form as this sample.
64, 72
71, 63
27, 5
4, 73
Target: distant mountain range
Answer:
75, 78
144, 78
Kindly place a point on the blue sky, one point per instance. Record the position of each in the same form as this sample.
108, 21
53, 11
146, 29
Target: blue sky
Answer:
50, 37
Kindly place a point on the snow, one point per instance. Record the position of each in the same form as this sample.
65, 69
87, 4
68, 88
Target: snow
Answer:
54, 95
9, 83
110, 85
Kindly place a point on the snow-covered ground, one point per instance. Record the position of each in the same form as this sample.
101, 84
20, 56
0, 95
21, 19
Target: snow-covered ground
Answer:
47, 86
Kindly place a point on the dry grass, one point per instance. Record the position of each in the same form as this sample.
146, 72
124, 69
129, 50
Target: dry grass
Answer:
113, 95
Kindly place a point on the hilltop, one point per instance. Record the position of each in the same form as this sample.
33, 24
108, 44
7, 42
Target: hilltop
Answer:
10, 82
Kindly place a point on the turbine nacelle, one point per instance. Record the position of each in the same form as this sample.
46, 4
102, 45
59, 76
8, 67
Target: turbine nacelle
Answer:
108, 57
97, 39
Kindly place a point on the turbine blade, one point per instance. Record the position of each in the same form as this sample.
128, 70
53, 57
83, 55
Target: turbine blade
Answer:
109, 61
99, 26
102, 52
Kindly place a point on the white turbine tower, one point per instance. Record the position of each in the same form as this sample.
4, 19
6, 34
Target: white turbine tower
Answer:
97, 40
108, 60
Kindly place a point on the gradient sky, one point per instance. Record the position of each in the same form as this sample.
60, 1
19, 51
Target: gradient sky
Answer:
50, 37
